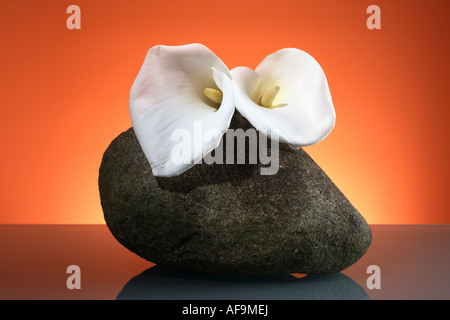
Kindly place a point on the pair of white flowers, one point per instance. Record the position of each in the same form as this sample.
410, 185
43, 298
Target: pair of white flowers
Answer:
179, 86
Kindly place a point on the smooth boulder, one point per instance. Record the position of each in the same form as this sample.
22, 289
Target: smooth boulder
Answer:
230, 219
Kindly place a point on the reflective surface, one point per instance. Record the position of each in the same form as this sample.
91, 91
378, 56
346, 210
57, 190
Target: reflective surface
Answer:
413, 261
164, 284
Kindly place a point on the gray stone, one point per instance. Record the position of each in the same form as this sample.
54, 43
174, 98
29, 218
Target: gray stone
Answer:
230, 219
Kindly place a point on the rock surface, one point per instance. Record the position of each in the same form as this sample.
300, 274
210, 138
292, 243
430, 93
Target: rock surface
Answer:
230, 219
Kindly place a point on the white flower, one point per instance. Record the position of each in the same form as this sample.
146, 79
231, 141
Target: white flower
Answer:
180, 87
169, 94
287, 93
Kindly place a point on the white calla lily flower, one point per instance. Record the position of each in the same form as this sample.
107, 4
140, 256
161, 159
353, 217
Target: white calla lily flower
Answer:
178, 88
287, 93
188, 88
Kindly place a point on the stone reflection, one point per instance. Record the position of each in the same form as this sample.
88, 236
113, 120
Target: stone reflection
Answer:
160, 283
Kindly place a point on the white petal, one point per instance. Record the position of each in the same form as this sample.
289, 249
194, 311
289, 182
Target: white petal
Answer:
305, 115
169, 110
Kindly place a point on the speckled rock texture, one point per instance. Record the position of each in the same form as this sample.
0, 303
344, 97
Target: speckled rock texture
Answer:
230, 219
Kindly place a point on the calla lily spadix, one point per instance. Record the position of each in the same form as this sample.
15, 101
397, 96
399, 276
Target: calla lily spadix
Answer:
287, 96
298, 102
169, 94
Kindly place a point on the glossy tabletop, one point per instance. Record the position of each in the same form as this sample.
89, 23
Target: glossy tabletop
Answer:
403, 262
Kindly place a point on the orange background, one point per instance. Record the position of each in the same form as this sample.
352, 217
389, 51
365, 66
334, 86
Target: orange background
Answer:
64, 94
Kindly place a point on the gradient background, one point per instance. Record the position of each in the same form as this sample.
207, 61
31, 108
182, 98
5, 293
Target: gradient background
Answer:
64, 94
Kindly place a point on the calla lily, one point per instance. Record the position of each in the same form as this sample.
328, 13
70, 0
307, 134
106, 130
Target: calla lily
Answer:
177, 88
288, 94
